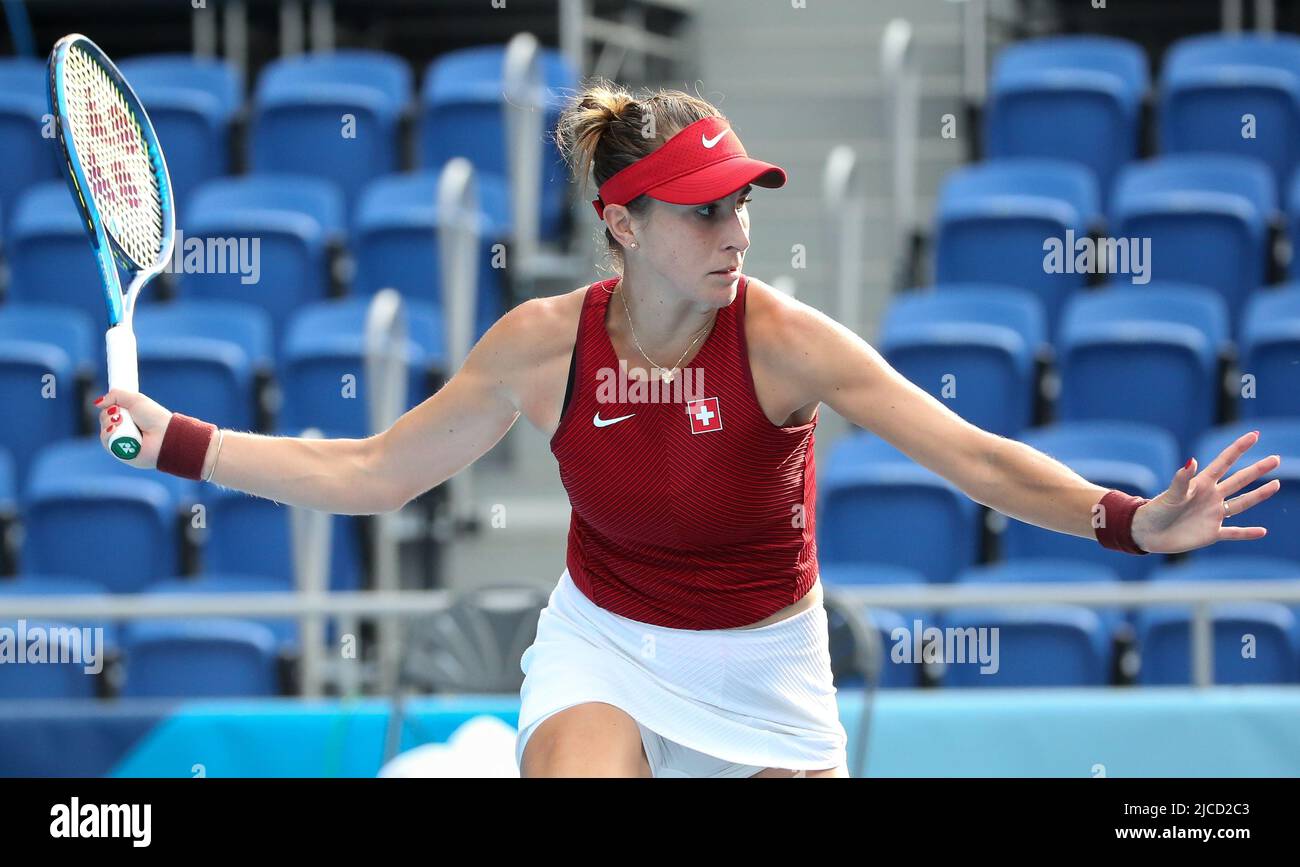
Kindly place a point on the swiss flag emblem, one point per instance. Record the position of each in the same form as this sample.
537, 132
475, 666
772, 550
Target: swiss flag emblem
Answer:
705, 415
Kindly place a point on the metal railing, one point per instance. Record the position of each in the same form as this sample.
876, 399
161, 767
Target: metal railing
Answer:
311, 607
387, 367
310, 535
901, 76
1199, 594
527, 100
845, 209
625, 44
459, 238
1233, 11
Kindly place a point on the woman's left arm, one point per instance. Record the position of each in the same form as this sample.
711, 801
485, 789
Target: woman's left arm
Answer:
832, 364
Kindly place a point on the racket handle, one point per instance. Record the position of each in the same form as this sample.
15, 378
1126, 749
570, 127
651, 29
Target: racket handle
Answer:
123, 373
124, 441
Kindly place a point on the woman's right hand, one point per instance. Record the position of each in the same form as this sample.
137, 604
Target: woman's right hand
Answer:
149, 416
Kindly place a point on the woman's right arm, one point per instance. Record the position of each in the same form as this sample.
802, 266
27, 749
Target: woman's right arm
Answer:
427, 445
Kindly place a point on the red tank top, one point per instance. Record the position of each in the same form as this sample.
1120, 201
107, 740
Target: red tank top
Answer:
694, 513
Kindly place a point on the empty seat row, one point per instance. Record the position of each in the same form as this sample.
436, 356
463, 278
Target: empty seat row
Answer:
1067, 645
337, 116
210, 359
150, 518
265, 240
875, 502
1030, 222
1236, 94
982, 350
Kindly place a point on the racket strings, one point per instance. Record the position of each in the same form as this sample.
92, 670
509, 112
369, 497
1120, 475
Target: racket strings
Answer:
115, 158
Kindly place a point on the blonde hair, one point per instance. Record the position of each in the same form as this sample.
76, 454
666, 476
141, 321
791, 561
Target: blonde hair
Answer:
605, 128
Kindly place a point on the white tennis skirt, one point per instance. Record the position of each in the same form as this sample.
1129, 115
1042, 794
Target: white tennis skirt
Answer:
761, 697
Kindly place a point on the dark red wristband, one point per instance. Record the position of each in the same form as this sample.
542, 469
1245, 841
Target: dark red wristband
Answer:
1116, 530
184, 446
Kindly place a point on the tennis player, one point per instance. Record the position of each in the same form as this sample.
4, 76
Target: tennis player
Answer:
687, 635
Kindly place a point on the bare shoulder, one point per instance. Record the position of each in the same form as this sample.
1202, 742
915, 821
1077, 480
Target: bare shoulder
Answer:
781, 329
526, 352
534, 329
802, 355
530, 332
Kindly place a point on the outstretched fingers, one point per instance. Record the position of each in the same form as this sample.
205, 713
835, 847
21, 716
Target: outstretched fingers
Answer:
1246, 475
1231, 454
1241, 534
1240, 504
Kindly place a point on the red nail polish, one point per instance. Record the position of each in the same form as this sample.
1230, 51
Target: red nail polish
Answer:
112, 409
99, 401
115, 419
1188, 464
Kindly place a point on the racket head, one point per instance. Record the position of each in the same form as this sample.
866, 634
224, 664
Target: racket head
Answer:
113, 164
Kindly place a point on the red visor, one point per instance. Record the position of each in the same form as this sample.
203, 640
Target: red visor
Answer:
702, 163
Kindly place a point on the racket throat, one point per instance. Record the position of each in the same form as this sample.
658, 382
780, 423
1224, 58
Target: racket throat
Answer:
123, 371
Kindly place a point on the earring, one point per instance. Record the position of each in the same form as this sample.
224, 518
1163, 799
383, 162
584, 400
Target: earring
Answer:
633, 245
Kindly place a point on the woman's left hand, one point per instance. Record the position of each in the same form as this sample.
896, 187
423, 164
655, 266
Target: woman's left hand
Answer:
1190, 513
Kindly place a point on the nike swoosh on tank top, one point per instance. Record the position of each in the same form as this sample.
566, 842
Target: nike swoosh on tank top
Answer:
687, 515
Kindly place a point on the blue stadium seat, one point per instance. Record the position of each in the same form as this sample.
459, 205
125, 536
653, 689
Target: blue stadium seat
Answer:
1210, 82
29, 158
1052, 570
333, 115
293, 220
876, 503
36, 341
1164, 632
251, 536
325, 344
201, 357
285, 629
79, 495
1119, 347
1059, 645
1207, 217
893, 673
1277, 436
191, 102
462, 114
47, 680
8, 484
992, 221
1292, 204
199, 658
1092, 88
1269, 350
395, 237
49, 253
1139, 459
1234, 567
59, 585
973, 348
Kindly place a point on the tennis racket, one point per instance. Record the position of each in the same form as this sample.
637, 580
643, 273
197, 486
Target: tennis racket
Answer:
118, 178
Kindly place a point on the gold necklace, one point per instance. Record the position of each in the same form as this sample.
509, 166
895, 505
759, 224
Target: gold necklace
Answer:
665, 375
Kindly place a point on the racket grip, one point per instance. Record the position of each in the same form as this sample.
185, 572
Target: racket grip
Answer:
124, 441
123, 373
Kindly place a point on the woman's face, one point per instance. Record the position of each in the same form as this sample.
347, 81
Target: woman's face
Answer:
684, 246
